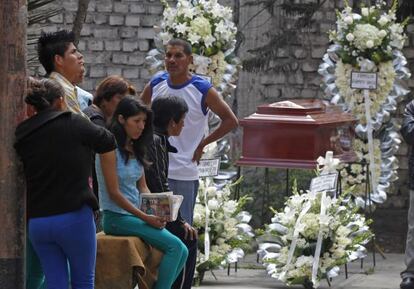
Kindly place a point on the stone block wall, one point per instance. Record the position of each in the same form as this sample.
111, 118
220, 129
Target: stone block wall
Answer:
118, 34
114, 40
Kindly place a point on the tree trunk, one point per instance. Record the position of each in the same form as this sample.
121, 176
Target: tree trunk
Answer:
80, 18
13, 20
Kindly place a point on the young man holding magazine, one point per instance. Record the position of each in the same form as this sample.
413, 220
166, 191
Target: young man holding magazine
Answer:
169, 113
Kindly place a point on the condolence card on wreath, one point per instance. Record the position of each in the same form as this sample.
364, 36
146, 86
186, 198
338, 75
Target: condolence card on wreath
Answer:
161, 204
208, 167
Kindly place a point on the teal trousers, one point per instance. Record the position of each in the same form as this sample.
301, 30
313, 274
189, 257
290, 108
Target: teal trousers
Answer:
175, 252
35, 279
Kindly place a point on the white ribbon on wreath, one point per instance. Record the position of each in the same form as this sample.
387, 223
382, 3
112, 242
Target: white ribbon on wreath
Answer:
207, 228
330, 165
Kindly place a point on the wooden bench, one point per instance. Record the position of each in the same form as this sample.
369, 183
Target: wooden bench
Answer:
124, 262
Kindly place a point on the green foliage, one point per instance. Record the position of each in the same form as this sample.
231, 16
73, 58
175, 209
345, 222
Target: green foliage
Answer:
241, 204
259, 232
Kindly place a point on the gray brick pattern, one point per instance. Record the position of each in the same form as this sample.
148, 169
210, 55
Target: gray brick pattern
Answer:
115, 37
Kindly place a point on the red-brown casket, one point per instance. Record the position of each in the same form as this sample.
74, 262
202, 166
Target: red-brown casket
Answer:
293, 134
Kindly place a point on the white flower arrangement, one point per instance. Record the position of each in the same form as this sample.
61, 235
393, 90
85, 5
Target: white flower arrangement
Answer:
354, 98
209, 27
206, 24
354, 175
228, 229
372, 35
369, 42
344, 232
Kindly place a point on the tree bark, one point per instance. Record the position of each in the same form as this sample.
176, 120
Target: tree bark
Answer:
80, 18
13, 15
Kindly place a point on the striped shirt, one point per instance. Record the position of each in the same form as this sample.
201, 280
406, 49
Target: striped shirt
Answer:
71, 94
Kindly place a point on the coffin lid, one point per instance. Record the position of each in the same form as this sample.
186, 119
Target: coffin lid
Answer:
295, 106
304, 111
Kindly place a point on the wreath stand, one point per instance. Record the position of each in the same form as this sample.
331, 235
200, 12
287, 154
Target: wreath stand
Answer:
368, 210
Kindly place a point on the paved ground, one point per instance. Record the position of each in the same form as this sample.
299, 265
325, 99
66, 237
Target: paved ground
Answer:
384, 276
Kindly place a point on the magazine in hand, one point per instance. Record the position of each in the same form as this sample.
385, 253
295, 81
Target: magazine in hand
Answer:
161, 204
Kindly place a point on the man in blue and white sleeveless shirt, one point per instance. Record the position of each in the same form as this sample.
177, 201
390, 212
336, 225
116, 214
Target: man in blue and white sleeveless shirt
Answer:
200, 97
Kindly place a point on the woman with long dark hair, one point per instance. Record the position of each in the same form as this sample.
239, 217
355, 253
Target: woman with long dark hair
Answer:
109, 93
106, 98
119, 195
56, 148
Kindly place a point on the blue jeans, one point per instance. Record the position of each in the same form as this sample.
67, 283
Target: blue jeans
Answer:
175, 252
188, 189
63, 238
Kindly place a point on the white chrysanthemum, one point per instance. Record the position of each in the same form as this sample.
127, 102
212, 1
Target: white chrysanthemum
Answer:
356, 169
366, 34
230, 207
382, 33
217, 68
369, 44
199, 216
213, 204
211, 192
220, 241
304, 261
201, 26
301, 243
338, 253
343, 231
230, 223
350, 37
384, 19
348, 20
311, 226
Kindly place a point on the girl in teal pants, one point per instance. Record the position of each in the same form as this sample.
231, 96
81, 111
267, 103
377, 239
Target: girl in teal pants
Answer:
118, 173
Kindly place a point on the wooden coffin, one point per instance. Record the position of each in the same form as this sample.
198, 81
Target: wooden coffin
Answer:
293, 134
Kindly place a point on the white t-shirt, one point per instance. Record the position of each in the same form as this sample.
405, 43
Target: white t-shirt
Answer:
194, 92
